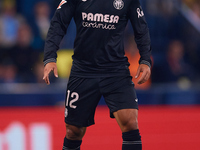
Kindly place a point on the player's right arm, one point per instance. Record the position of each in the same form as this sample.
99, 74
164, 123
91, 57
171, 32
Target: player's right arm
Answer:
51, 66
57, 30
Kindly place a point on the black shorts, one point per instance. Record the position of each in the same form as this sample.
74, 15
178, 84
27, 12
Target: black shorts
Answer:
83, 95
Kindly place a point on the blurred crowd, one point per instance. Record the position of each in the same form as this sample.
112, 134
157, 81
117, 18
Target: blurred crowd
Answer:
175, 41
22, 38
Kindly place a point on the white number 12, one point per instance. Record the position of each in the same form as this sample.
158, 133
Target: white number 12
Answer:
75, 97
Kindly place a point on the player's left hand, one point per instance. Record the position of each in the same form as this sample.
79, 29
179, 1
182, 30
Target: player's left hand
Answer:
146, 72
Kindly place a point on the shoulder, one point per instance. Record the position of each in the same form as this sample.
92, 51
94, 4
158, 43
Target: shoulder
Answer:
64, 3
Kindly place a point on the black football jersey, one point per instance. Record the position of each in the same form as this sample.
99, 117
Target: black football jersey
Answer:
99, 43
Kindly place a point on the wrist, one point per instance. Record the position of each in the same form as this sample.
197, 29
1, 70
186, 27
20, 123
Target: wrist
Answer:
49, 60
145, 62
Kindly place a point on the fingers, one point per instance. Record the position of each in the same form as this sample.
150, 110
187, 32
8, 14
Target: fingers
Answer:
47, 80
145, 76
138, 72
55, 72
146, 72
47, 69
46, 75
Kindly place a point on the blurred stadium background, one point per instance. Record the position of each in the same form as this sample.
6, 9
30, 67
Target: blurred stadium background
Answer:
32, 114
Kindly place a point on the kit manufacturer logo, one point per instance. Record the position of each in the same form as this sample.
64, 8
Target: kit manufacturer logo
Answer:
61, 3
118, 4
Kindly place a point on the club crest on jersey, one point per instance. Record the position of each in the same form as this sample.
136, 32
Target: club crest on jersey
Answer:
118, 4
61, 3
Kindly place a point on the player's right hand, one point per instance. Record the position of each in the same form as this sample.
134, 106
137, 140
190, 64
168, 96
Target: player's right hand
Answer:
47, 69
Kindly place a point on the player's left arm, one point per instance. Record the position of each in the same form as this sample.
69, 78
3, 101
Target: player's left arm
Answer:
142, 38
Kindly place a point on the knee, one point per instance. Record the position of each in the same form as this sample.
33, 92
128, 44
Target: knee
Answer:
74, 132
129, 125
127, 119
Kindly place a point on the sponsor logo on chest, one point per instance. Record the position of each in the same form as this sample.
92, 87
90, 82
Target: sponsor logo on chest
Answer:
99, 21
103, 21
100, 17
